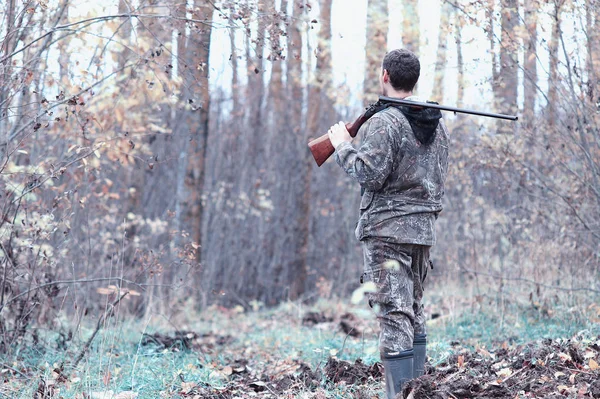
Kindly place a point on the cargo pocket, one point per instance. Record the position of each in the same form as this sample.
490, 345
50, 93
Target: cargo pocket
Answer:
366, 200
380, 276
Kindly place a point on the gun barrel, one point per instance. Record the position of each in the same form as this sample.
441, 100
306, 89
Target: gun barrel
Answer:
446, 108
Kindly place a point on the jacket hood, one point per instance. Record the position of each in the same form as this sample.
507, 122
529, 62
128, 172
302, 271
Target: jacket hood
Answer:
423, 121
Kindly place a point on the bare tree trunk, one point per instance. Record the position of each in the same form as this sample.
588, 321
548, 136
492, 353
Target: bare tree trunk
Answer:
256, 85
592, 23
377, 33
553, 55
294, 68
298, 206
530, 78
490, 33
506, 87
63, 58
125, 30
442, 57
318, 93
276, 100
181, 125
279, 158
411, 32
202, 54
6, 70
235, 89
460, 95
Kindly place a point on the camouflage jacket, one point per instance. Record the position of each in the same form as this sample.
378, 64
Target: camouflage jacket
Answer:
403, 180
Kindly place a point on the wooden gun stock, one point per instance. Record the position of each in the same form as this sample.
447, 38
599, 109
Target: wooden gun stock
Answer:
321, 147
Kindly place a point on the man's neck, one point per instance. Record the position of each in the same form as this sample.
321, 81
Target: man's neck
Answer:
398, 93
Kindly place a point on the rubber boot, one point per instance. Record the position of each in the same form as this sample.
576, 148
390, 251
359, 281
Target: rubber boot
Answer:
398, 368
420, 348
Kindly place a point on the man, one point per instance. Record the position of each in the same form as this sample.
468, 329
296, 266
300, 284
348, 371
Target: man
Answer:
401, 166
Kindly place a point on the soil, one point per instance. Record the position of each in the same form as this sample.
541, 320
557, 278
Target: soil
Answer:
348, 323
205, 343
313, 318
546, 369
352, 374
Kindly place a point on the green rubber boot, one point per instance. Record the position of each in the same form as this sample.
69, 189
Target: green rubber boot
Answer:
420, 348
398, 369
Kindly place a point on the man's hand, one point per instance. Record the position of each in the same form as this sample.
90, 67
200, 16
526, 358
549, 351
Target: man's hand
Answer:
338, 134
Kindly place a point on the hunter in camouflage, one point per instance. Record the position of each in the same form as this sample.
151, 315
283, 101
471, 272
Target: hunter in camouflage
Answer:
401, 166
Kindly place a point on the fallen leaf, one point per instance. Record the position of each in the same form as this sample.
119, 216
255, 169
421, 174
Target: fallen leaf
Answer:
106, 378
564, 357
102, 395
506, 372
186, 387
593, 364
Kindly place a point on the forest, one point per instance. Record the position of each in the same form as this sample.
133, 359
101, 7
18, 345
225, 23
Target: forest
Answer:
165, 231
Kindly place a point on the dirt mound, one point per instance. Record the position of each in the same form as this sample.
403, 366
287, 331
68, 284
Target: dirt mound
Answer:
350, 324
180, 340
313, 318
245, 381
357, 373
545, 369
550, 369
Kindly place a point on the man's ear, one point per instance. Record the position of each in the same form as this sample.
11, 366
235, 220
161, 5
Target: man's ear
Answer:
386, 76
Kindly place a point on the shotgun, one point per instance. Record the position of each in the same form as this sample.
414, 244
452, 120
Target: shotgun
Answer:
321, 147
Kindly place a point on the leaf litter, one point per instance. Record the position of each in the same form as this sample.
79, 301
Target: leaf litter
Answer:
547, 368
551, 368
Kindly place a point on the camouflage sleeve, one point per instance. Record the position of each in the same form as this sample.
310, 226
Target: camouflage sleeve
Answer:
370, 164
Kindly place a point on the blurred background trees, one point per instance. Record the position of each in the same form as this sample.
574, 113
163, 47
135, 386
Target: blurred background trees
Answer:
161, 146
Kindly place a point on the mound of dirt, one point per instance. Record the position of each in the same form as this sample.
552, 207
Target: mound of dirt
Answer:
545, 369
550, 369
313, 318
349, 324
357, 373
205, 343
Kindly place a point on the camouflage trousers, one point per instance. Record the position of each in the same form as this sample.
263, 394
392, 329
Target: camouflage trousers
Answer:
398, 271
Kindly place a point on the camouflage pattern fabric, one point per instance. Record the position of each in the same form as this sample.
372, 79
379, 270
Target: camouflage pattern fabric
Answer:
402, 178
403, 182
398, 271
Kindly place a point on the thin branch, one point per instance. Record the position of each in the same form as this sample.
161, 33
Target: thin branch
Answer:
59, 103
8, 260
81, 281
529, 281
6, 366
103, 19
107, 313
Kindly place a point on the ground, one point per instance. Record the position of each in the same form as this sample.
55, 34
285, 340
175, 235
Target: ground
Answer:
478, 349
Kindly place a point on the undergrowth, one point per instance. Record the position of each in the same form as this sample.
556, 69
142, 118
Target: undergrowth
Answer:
266, 341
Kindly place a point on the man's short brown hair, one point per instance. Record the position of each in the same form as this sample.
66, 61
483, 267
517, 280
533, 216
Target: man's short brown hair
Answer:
403, 67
